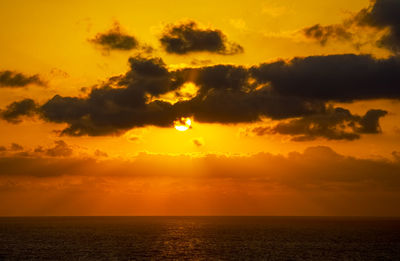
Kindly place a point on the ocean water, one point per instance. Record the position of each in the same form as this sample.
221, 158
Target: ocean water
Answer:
199, 238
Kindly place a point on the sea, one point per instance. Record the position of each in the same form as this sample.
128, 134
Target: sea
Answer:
199, 238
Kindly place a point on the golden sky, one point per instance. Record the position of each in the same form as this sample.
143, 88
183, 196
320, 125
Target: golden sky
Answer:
293, 107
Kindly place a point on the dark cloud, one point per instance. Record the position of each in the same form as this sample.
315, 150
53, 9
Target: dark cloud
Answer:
223, 77
16, 110
324, 33
61, 149
15, 80
119, 105
370, 122
115, 39
226, 94
341, 78
333, 124
384, 14
16, 147
380, 15
188, 37
151, 76
226, 106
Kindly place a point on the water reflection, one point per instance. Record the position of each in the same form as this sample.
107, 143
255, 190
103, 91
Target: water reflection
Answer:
199, 238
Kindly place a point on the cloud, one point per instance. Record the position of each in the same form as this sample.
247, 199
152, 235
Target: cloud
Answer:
120, 104
99, 153
341, 78
198, 142
314, 182
61, 149
56, 72
226, 94
16, 110
16, 80
115, 39
188, 37
370, 122
333, 124
41, 167
16, 147
316, 166
381, 15
324, 33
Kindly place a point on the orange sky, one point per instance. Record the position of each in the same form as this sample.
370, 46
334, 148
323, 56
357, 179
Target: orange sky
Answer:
104, 82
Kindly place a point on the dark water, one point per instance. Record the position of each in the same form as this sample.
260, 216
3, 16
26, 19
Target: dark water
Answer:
199, 238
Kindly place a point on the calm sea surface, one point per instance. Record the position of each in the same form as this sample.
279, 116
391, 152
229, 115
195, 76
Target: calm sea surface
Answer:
199, 238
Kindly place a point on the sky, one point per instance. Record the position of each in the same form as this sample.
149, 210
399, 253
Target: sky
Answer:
200, 108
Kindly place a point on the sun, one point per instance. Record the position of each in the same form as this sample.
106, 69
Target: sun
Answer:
183, 124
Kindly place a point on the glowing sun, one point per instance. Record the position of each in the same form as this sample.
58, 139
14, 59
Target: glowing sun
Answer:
183, 124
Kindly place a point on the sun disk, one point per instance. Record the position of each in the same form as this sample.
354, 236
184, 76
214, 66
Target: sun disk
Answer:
183, 124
